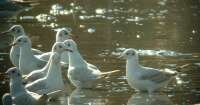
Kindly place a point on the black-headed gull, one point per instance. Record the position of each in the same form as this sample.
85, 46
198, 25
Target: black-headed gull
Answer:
36, 74
20, 95
144, 78
81, 73
16, 31
53, 80
27, 61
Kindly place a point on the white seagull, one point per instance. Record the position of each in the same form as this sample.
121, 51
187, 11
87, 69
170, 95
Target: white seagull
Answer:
21, 96
144, 78
53, 80
61, 35
27, 61
81, 73
16, 31
36, 74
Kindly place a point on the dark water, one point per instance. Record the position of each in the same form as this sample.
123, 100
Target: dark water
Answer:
166, 33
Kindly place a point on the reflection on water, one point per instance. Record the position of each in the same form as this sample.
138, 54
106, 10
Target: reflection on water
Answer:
166, 33
146, 99
86, 97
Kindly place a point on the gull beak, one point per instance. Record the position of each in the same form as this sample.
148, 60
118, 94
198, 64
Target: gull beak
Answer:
4, 74
13, 44
5, 32
69, 50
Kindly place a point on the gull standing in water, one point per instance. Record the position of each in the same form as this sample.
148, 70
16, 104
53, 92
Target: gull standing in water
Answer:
16, 31
21, 96
144, 78
81, 73
27, 61
36, 74
53, 80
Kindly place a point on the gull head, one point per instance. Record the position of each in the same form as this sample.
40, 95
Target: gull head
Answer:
13, 72
21, 41
15, 30
129, 53
63, 34
70, 45
59, 47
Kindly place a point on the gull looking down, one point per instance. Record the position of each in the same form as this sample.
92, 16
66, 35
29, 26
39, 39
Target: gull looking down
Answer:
36, 74
81, 73
27, 61
16, 31
21, 96
144, 78
53, 80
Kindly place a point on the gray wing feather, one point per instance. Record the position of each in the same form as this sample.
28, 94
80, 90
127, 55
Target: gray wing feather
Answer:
156, 76
36, 85
36, 51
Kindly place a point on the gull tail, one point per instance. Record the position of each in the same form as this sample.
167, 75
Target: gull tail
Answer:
109, 72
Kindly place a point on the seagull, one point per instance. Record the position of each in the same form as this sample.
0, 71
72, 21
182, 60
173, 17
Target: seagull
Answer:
36, 74
20, 95
7, 99
53, 80
16, 31
144, 78
61, 35
80, 73
27, 61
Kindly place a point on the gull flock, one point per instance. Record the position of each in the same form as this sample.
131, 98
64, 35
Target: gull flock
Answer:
38, 76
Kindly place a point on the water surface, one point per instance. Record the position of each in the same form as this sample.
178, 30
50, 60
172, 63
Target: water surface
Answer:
165, 32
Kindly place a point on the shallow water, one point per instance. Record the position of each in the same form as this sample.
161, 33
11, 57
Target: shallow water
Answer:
166, 33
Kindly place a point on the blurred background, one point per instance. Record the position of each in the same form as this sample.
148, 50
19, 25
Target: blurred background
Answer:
165, 32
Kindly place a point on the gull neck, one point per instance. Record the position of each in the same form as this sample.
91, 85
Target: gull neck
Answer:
75, 59
54, 69
132, 64
25, 52
16, 85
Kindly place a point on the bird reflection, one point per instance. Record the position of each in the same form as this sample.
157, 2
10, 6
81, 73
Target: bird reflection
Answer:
86, 97
146, 99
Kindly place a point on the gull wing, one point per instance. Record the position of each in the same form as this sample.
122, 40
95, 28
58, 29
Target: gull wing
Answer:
156, 75
36, 51
37, 85
41, 63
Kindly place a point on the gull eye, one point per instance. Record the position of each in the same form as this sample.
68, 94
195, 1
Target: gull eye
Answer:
60, 46
18, 31
66, 33
127, 53
133, 53
68, 45
13, 72
19, 40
